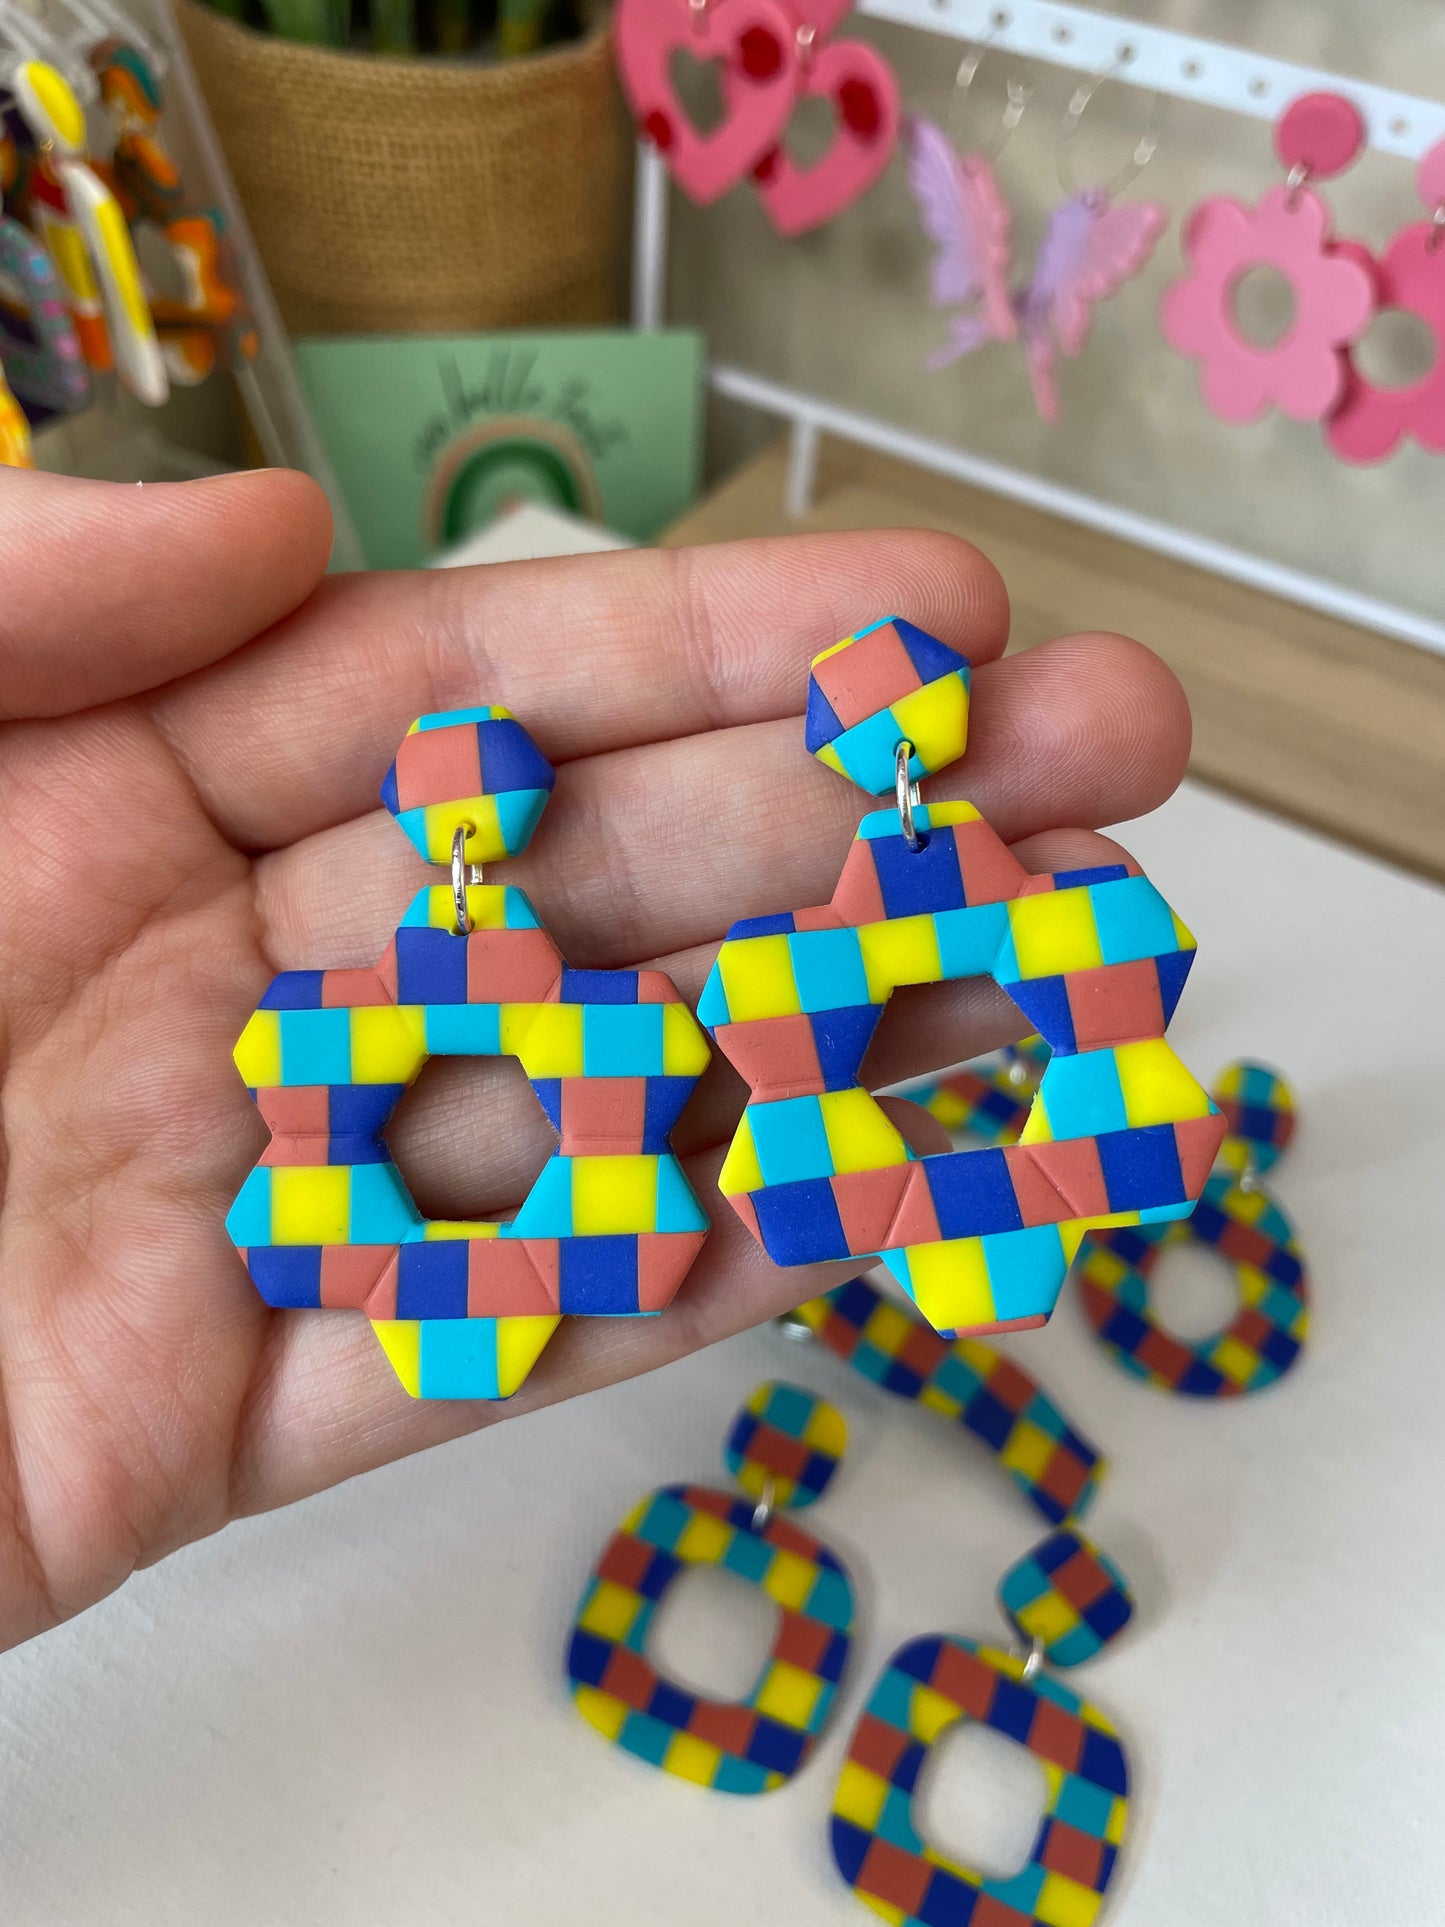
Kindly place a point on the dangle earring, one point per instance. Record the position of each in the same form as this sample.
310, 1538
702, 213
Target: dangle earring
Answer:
783, 1449
967, 219
610, 1226
44, 364
1119, 1130
82, 225
210, 323
987, 1395
1371, 421
752, 40
1303, 373
1094, 243
860, 86
1067, 1600
1237, 1217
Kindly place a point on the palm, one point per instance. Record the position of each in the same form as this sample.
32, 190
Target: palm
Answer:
194, 809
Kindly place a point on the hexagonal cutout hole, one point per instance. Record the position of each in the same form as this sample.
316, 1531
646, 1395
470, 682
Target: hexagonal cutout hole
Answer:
470, 1138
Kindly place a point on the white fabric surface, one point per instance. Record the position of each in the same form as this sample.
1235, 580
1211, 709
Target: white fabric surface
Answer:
353, 1712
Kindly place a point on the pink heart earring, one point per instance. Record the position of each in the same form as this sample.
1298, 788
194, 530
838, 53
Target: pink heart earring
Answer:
1092, 246
1371, 421
861, 87
968, 221
1302, 374
752, 41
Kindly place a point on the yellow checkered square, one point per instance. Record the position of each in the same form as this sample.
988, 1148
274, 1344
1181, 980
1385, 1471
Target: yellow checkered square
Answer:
757, 976
1054, 932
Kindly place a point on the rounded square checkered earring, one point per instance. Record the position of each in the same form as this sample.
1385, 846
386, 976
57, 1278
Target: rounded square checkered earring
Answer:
1066, 1600
783, 1449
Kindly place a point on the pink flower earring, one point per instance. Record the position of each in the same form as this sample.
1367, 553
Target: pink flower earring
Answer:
1371, 422
1304, 373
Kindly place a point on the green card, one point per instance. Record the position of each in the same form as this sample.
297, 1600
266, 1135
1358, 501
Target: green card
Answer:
433, 435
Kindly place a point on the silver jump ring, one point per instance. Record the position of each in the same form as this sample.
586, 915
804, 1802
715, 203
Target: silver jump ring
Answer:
461, 874
791, 1326
1436, 238
763, 1510
907, 791
1145, 148
1293, 182
1034, 1660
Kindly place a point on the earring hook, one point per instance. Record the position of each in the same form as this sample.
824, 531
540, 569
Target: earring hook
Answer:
1018, 93
1145, 147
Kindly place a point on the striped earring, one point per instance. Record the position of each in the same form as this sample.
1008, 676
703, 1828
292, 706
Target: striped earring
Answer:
611, 1224
783, 1450
1095, 959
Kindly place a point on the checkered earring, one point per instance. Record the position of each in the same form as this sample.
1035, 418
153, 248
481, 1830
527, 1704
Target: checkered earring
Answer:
611, 1224
1066, 1600
783, 1449
1237, 1217
1096, 960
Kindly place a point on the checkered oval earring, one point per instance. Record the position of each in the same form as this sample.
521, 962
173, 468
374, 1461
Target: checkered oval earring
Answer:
783, 1449
611, 1224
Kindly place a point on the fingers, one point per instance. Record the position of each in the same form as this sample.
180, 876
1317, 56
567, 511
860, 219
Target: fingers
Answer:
470, 1137
114, 589
326, 1405
593, 653
654, 850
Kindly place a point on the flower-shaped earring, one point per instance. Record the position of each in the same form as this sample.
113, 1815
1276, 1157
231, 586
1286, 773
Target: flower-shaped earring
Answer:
1095, 958
610, 1226
1303, 373
1372, 421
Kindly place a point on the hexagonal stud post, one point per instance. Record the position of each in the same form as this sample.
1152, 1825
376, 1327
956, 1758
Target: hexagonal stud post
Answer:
889, 683
473, 767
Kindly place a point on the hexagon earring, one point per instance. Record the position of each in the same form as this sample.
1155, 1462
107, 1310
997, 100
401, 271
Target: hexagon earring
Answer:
611, 1225
1118, 1133
783, 1449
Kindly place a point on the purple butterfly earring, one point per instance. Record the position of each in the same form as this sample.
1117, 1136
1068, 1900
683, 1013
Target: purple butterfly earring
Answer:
1093, 244
968, 221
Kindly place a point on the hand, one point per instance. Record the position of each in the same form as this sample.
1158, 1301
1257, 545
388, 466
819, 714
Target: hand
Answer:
195, 724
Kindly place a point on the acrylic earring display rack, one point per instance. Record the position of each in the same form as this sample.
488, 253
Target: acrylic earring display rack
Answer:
131, 444
1173, 65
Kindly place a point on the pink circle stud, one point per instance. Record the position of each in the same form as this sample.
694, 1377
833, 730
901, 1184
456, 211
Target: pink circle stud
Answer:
1321, 133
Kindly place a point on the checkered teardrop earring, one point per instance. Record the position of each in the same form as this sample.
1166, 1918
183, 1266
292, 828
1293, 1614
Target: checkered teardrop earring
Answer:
1119, 1132
783, 1449
611, 1225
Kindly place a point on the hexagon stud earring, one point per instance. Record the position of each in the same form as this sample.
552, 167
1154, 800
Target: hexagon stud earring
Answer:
1118, 1132
611, 1225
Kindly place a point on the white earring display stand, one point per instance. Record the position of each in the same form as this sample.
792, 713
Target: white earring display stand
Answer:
1162, 62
